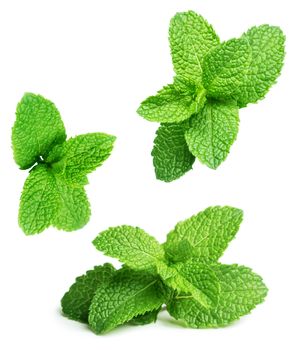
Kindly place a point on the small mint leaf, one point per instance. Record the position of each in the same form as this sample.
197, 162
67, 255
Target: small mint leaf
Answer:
171, 155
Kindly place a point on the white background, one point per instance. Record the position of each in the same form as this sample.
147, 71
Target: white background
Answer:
97, 60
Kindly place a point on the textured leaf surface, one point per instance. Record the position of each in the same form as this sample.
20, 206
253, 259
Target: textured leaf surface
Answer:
241, 291
204, 236
225, 67
267, 44
39, 201
81, 155
76, 302
191, 37
213, 132
37, 128
48, 200
170, 105
129, 294
148, 317
131, 245
74, 208
171, 155
192, 279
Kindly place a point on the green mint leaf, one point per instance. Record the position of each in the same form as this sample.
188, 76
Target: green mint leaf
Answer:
81, 155
48, 200
267, 45
170, 105
39, 201
241, 290
212, 132
192, 279
191, 38
148, 317
76, 302
37, 128
131, 245
74, 208
128, 294
171, 155
225, 67
207, 234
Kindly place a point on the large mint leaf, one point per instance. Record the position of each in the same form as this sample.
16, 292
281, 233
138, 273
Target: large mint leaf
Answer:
225, 67
131, 245
38, 127
267, 45
212, 132
204, 236
191, 38
127, 295
241, 291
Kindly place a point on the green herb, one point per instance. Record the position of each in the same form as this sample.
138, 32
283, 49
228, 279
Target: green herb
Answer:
54, 193
183, 273
199, 111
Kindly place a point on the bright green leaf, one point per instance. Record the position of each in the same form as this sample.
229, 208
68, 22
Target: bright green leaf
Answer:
192, 279
207, 234
225, 67
74, 208
38, 127
241, 291
81, 155
267, 44
39, 201
131, 245
191, 38
213, 132
127, 295
170, 105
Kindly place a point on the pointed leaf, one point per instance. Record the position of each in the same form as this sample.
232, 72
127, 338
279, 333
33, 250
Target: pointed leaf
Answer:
241, 291
191, 38
207, 234
171, 155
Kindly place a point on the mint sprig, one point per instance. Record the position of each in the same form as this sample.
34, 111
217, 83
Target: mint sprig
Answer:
54, 193
199, 111
183, 273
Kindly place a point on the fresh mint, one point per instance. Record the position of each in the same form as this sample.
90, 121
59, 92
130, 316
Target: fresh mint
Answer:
183, 273
199, 111
54, 193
